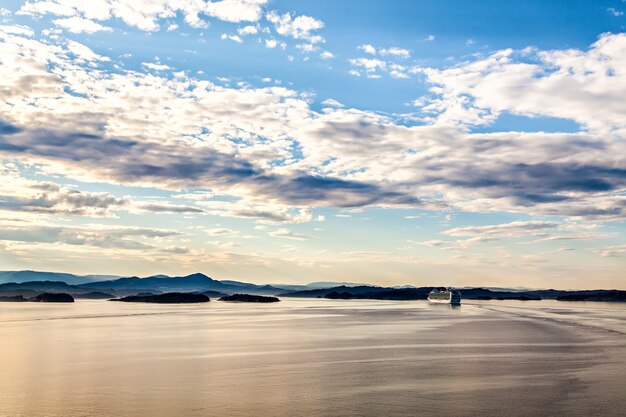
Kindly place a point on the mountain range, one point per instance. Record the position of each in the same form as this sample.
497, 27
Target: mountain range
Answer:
29, 283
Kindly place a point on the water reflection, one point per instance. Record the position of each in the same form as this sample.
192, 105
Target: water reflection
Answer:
309, 357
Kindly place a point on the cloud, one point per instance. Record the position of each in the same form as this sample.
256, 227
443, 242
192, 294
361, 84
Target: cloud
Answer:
396, 52
94, 235
155, 66
234, 38
222, 232
611, 251
368, 49
22, 196
167, 208
534, 83
387, 61
368, 64
587, 236
615, 12
393, 51
145, 18
332, 103
77, 24
510, 230
287, 234
430, 243
267, 147
235, 10
297, 27
17, 30
326, 55
247, 30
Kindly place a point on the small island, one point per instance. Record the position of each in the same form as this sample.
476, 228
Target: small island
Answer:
248, 298
48, 297
607, 296
167, 298
94, 295
12, 299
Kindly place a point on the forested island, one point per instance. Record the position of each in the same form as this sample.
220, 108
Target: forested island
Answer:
248, 298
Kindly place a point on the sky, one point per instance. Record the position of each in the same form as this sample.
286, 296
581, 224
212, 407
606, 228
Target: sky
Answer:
431, 142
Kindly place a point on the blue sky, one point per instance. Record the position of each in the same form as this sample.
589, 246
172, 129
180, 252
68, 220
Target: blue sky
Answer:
411, 142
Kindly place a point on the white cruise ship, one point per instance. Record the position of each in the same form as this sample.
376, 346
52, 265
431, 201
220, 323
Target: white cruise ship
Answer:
445, 296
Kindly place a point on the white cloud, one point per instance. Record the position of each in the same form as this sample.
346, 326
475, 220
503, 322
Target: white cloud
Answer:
271, 43
368, 49
235, 10
247, 30
332, 103
287, 234
615, 12
147, 15
326, 55
611, 251
512, 230
393, 51
298, 27
286, 155
17, 30
306, 47
155, 66
224, 232
396, 52
368, 64
77, 24
585, 86
234, 38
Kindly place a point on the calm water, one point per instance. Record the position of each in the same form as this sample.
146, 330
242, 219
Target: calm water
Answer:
313, 358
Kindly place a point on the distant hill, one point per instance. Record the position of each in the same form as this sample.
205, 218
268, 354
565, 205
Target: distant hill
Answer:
420, 293
321, 292
27, 276
609, 295
167, 298
31, 283
190, 283
248, 298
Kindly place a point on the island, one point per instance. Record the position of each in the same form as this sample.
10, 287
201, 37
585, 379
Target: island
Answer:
167, 298
49, 297
94, 295
248, 298
12, 299
607, 296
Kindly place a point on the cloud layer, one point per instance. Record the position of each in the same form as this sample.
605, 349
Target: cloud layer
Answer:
268, 145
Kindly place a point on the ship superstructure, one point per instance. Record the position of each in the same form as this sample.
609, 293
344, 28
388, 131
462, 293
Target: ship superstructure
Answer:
445, 295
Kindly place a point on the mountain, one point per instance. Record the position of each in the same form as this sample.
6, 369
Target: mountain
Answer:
322, 292
167, 298
27, 276
38, 286
31, 283
195, 282
597, 295
330, 284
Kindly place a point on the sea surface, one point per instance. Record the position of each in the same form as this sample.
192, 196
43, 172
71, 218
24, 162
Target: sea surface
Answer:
313, 358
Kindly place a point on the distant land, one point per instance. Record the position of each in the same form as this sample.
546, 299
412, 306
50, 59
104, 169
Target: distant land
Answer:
167, 298
41, 298
248, 298
29, 284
